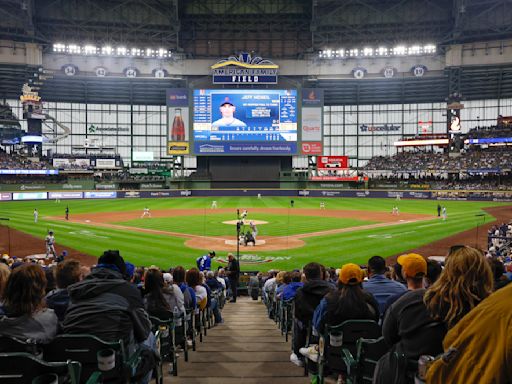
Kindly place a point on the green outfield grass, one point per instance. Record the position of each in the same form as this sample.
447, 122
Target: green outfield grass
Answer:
165, 251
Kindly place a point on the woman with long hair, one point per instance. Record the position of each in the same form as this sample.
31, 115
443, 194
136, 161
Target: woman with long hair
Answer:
159, 298
466, 280
24, 313
193, 279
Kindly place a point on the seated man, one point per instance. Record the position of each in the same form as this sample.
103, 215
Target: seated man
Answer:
67, 273
104, 304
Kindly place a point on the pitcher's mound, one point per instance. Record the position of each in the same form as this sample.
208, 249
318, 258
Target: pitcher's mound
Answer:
246, 221
233, 242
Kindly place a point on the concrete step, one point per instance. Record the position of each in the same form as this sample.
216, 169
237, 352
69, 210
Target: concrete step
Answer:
236, 380
240, 369
224, 357
242, 347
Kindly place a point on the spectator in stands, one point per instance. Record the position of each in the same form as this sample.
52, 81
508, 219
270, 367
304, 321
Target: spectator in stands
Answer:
269, 286
477, 348
408, 326
498, 271
434, 270
282, 279
290, 290
159, 299
349, 302
66, 273
189, 295
24, 314
215, 288
379, 285
465, 281
233, 272
4, 276
212, 282
104, 304
220, 275
413, 268
307, 299
193, 279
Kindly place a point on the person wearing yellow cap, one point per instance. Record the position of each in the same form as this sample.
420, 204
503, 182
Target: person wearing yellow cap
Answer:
349, 302
408, 326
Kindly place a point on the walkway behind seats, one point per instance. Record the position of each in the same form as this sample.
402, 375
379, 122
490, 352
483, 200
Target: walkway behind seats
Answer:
248, 348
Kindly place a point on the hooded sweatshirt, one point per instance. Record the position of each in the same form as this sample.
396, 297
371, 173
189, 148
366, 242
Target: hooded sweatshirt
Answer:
41, 327
107, 306
309, 296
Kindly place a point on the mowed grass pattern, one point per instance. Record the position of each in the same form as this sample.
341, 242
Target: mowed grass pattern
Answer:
166, 251
212, 225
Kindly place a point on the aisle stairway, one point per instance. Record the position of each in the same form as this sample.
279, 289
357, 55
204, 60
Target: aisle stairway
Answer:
248, 348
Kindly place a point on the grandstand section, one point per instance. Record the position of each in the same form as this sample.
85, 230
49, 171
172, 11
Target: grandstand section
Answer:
328, 158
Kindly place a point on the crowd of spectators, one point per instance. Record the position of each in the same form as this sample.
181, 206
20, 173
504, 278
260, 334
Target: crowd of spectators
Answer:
472, 159
19, 161
419, 303
41, 298
490, 132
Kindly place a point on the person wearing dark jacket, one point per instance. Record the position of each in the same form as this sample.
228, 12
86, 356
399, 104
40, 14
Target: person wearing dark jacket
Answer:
233, 272
107, 306
67, 273
307, 299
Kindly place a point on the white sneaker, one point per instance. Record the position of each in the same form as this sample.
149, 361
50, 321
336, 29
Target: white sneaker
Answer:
295, 360
310, 352
189, 343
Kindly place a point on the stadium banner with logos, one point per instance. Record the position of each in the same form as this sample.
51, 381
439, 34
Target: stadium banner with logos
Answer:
332, 162
244, 69
312, 121
48, 187
178, 121
105, 163
71, 163
29, 195
5, 196
65, 195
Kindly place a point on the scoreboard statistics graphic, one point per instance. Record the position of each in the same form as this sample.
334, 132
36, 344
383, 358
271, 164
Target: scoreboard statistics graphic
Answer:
248, 121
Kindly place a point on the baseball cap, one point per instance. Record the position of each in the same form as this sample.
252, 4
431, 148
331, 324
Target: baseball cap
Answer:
212, 253
227, 100
413, 265
351, 274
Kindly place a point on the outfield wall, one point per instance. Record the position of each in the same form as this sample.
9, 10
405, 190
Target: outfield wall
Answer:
116, 194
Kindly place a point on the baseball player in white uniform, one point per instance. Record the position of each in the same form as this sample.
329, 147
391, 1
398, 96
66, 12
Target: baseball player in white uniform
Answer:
146, 213
50, 244
214, 204
36, 215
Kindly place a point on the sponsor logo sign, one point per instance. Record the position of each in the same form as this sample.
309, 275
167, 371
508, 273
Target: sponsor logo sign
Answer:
313, 97
304, 193
255, 259
244, 69
332, 162
100, 195
186, 193
65, 195
72, 186
29, 195
151, 186
177, 97
178, 148
5, 196
379, 128
311, 148
132, 194
246, 148
105, 163
106, 186
32, 187
160, 194
331, 193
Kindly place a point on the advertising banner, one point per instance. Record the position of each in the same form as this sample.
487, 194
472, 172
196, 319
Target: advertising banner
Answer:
334, 178
178, 121
129, 194
312, 124
332, 162
160, 194
245, 148
100, 195
143, 156
65, 195
311, 148
29, 196
29, 172
5, 196
71, 163
178, 148
151, 186
105, 163
312, 97
106, 186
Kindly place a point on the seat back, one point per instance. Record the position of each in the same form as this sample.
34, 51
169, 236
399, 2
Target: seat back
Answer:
22, 368
369, 351
13, 344
84, 348
345, 336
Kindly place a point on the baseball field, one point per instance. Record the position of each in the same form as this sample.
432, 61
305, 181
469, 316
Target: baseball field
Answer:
179, 230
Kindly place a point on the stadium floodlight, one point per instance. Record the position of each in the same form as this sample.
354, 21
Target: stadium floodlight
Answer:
90, 50
149, 52
414, 50
107, 50
353, 52
162, 52
59, 47
399, 50
381, 51
74, 49
340, 52
121, 51
368, 51
429, 48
